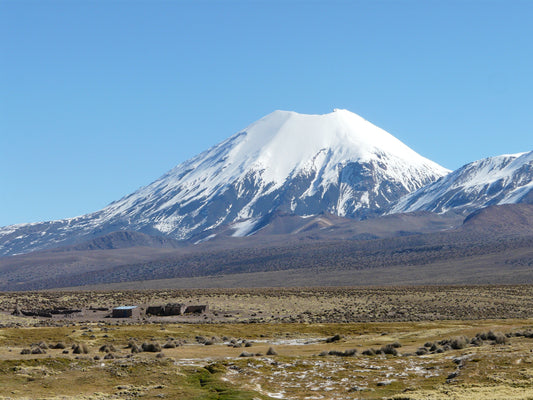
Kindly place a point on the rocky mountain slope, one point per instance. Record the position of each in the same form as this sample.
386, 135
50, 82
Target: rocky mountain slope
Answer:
494, 245
506, 179
336, 163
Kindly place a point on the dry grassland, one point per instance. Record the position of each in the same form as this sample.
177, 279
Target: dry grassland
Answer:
395, 343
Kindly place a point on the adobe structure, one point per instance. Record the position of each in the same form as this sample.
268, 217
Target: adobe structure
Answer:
123, 312
177, 309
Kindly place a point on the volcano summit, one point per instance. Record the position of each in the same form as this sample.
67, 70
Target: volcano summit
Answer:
336, 163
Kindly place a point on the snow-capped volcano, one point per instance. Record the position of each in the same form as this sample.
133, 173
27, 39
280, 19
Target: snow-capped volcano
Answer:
300, 164
505, 179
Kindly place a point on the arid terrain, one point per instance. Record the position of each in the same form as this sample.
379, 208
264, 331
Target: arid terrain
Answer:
492, 246
464, 342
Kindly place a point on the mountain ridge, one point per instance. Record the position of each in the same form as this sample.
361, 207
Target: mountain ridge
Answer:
302, 164
504, 179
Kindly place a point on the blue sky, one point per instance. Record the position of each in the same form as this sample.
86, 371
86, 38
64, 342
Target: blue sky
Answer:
98, 98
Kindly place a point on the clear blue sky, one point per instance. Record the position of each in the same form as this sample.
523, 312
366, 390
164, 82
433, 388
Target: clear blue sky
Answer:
98, 98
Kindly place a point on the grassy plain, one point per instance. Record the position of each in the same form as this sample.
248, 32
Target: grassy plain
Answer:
338, 343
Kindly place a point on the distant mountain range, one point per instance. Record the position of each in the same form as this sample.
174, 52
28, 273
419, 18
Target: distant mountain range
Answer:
286, 180
506, 179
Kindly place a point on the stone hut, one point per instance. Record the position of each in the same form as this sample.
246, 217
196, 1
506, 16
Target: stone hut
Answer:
123, 312
196, 309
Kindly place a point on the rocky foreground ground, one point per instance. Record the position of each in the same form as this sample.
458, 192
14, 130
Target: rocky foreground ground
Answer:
397, 343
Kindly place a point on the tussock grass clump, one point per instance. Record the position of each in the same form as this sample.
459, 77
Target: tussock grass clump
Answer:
80, 348
107, 348
271, 352
369, 352
136, 349
495, 337
346, 353
459, 342
422, 351
334, 338
201, 339
486, 335
389, 349
525, 333
501, 339
151, 347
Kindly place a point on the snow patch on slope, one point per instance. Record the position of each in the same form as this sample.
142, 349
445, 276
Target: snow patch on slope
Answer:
502, 179
308, 164
244, 228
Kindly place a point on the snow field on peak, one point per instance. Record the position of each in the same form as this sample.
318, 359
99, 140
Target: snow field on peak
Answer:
305, 164
269, 153
498, 180
283, 142
278, 146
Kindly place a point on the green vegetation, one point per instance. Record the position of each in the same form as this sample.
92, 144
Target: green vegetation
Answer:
407, 358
